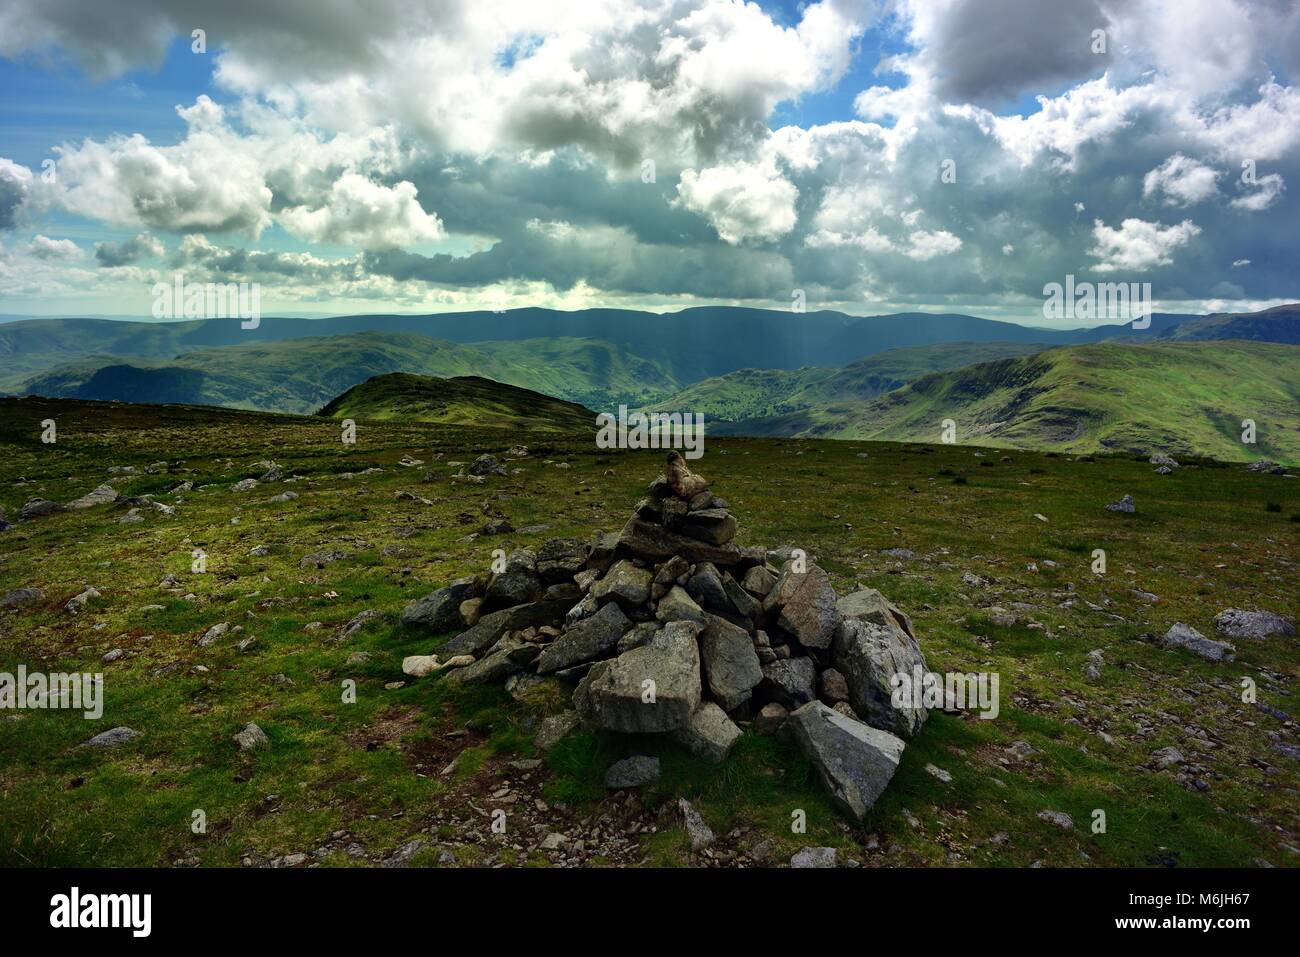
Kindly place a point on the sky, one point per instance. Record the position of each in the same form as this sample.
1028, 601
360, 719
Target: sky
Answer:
871, 156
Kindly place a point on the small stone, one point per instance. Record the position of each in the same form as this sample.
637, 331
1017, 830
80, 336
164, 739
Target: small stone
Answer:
634, 772
814, 857
251, 737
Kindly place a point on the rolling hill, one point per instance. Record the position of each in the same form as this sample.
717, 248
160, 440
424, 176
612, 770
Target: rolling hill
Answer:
776, 402
1184, 397
1279, 324
462, 400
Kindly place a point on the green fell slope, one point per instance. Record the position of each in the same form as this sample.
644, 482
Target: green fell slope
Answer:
1187, 398
463, 401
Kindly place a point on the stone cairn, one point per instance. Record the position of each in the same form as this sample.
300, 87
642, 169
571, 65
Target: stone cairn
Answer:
670, 627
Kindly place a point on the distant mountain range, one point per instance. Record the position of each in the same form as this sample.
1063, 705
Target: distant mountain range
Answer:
749, 371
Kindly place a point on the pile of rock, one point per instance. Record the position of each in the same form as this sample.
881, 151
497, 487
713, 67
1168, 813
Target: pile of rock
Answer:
670, 627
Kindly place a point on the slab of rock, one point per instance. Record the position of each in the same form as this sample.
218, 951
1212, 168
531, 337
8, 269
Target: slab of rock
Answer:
103, 495
556, 728
38, 508
809, 611
638, 635
652, 688
656, 543
771, 717
758, 581
489, 628
731, 668
634, 772
1185, 636
321, 558
713, 525
705, 586
587, 640
112, 738
790, 681
79, 600
439, 611
854, 761
503, 659
1125, 504
745, 604
18, 597
709, 735
624, 583
869, 605
518, 582
868, 655
677, 605
559, 559
1236, 623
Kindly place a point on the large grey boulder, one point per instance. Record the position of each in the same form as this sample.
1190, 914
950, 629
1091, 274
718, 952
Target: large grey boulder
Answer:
869, 654
518, 582
731, 668
489, 628
625, 583
809, 612
586, 640
790, 681
439, 611
1236, 623
652, 688
853, 761
709, 735
1185, 636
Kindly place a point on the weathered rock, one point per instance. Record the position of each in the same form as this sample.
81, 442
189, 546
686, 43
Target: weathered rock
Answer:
469, 610
742, 601
321, 558
79, 600
503, 659
814, 857
112, 738
869, 655
770, 718
1185, 636
709, 735
517, 583
486, 465
18, 597
1059, 818
634, 772
1168, 757
603, 547
715, 526
244, 485
832, 687
700, 834
706, 587
559, 559
38, 508
212, 634
498, 526
1125, 504
615, 695
758, 581
555, 728
684, 483
439, 611
489, 628
1236, 623
251, 737
587, 640
869, 605
809, 613
677, 605
854, 761
655, 543
790, 681
417, 666
625, 583
103, 495
637, 636
730, 664
671, 570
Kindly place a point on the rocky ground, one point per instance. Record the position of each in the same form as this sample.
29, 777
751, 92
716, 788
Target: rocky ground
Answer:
240, 581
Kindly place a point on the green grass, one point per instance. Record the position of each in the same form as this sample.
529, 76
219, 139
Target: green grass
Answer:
1203, 539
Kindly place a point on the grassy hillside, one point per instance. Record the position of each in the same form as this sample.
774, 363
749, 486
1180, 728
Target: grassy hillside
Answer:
300, 375
463, 401
1179, 397
776, 402
347, 784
